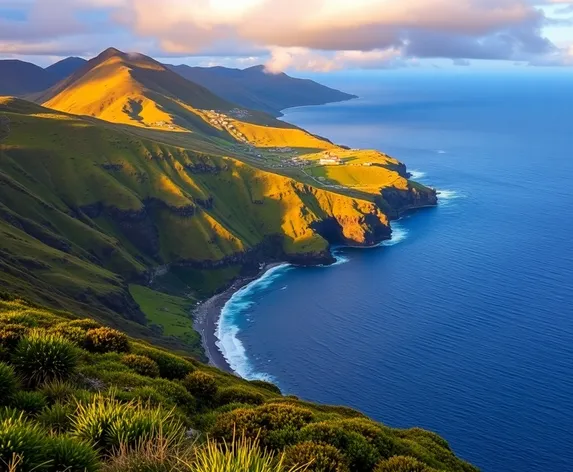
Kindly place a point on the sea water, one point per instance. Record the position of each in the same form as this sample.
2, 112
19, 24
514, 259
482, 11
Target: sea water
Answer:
463, 322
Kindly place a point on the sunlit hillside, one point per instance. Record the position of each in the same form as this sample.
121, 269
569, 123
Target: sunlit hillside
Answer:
90, 208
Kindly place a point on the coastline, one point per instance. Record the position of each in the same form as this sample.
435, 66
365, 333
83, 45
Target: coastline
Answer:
207, 314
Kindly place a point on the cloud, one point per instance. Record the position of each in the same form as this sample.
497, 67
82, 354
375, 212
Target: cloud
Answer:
300, 34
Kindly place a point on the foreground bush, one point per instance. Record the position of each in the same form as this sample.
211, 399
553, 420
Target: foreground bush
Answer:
361, 455
74, 334
106, 340
239, 395
8, 383
158, 455
143, 365
402, 464
56, 418
41, 357
237, 456
25, 440
201, 385
170, 367
315, 457
107, 424
10, 335
67, 454
267, 423
29, 402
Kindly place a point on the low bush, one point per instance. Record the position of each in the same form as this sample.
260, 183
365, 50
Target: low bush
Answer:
29, 402
8, 383
201, 385
170, 367
84, 323
315, 457
106, 340
267, 386
159, 455
22, 440
74, 334
143, 365
402, 464
10, 335
56, 418
263, 422
376, 434
177, 394
58, 391
68, 454
238, 395
41, 357
361, 455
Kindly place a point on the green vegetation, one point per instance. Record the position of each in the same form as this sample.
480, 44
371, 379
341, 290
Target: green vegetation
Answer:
121, 405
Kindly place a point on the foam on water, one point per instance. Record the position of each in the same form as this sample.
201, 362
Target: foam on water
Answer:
417, 174
447, 197
337, 253
399, 234
228, 329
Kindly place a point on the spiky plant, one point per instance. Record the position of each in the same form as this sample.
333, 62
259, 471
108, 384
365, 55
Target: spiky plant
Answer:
56, 418
41, 357
8, 383
239, 455
23, 443
71, 455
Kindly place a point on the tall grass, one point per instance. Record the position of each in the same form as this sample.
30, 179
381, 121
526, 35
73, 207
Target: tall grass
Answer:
242, 455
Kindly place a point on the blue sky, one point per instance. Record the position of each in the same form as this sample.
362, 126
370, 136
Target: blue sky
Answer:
297, 35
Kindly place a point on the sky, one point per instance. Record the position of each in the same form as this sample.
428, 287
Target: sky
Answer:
296, 35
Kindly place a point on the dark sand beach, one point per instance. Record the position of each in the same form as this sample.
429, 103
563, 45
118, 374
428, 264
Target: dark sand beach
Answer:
206, 316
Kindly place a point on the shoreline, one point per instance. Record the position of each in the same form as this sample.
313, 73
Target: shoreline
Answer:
207, 314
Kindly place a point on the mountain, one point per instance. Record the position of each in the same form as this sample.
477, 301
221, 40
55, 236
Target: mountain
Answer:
64, 68
256, 89
20, 78
132, 179
23, 78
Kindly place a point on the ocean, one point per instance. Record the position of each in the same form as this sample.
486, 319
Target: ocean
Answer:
463, 322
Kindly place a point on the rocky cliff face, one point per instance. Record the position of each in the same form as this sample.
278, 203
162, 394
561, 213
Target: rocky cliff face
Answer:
401, 201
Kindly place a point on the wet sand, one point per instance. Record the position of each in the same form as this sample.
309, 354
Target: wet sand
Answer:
207, 314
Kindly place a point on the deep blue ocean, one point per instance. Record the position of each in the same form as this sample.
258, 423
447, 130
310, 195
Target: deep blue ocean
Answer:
463, 323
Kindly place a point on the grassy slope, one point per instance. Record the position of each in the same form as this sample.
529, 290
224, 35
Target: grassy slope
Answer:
140, 195
105, 378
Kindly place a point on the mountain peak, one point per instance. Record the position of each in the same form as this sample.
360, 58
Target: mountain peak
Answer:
109, 53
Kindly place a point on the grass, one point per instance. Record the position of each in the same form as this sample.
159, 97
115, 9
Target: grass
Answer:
171, 313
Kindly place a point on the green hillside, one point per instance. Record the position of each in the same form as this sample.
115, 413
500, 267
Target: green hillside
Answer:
76, 396
87, 207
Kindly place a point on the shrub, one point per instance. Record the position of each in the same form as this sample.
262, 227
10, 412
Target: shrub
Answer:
143, 365
238, 395
375, 434
262, 422
85, 324
8, 382
106, 423
71, 455
170, 367
201, 384
10, 335
267, 386
106, 340
58, 391
316, 457
73, 334
402, 464
25, 440
177, 394
41, 357
56, 418
361, 455
29, 402
242, 455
